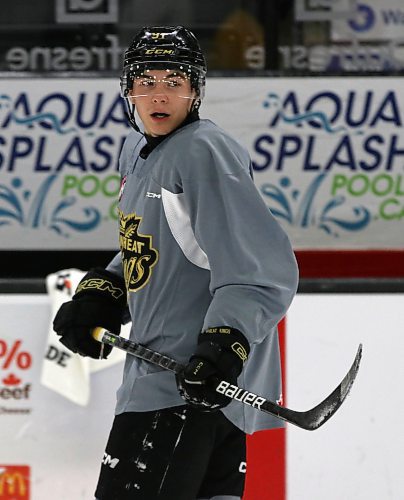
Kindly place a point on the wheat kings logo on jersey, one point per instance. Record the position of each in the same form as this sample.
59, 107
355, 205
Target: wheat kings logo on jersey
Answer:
138, 254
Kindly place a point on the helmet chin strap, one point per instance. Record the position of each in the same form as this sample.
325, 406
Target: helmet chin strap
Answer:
130, 115
196, 104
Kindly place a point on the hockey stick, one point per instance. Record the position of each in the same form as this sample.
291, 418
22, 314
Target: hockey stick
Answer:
309, 420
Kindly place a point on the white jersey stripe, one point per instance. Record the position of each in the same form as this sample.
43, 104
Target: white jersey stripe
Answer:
180, 225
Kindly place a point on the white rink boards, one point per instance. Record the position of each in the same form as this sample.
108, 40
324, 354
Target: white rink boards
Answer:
357, 455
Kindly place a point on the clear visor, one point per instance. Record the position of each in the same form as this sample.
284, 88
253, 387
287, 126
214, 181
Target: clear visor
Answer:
170, 81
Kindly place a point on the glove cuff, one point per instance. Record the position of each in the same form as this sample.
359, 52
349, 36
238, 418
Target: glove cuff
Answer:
100, 283
229, 339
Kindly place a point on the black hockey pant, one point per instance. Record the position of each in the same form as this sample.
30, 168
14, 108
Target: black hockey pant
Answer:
173, 454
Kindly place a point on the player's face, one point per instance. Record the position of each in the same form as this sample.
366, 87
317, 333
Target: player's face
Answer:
163, 99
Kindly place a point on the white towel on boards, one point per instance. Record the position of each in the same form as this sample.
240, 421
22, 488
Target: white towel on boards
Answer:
62, 370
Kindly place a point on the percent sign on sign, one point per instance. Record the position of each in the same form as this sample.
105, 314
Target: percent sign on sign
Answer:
10, 353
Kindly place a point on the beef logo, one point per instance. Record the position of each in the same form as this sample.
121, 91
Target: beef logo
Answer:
138, 254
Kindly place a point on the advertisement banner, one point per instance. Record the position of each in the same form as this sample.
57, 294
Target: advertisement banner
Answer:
371, 20
328, 156
52, 446
59, 146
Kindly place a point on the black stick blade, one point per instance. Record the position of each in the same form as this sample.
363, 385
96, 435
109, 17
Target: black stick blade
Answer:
315, 417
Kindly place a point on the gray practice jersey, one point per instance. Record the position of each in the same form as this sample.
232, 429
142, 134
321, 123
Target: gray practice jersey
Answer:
199, 249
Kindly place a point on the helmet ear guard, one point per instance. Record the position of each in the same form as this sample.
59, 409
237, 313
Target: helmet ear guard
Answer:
163, 47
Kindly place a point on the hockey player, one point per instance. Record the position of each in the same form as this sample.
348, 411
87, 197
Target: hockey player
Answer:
206, 272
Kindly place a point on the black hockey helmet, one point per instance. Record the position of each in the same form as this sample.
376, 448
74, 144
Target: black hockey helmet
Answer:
164, 47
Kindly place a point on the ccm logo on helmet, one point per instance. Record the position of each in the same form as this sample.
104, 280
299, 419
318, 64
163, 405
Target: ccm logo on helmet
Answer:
234, 392
160, 52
